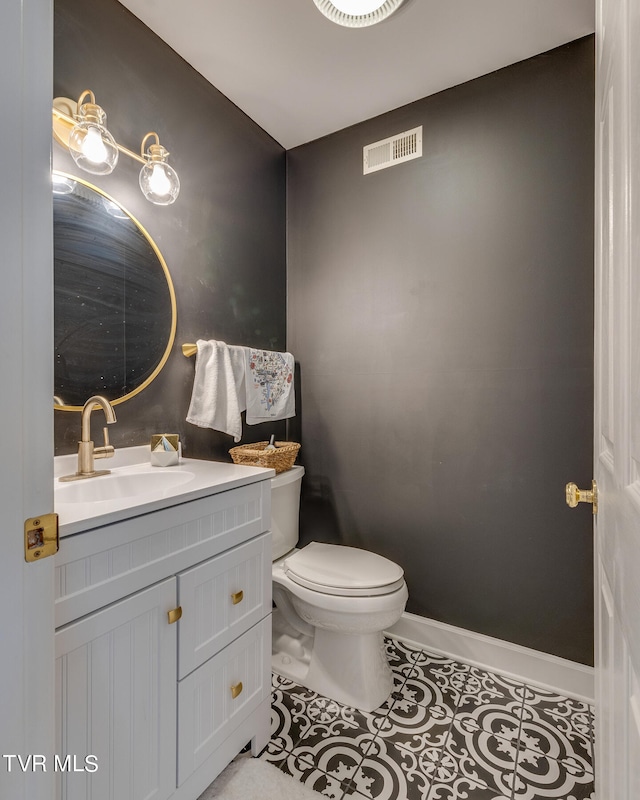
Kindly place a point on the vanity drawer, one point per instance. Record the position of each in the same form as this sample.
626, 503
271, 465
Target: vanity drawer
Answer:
101, 566
207, 708
221, 599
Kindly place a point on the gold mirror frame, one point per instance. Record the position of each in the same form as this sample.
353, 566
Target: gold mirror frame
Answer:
172, 295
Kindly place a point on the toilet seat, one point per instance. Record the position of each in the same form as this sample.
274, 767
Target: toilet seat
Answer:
345, 571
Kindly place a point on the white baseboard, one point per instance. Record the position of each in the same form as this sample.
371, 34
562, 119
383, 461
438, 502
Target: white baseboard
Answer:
529, 666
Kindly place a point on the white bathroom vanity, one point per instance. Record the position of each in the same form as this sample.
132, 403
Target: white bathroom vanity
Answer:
163, 625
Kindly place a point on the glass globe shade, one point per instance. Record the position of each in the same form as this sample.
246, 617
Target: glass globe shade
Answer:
159, 183
93, 148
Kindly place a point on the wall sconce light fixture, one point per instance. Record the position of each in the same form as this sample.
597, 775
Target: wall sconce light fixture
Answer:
91, 145
159, 182
81, 128
357, 13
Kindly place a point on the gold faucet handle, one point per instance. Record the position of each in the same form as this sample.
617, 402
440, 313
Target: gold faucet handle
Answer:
104, 452
107, 450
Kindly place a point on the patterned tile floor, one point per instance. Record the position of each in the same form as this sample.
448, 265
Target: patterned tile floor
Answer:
449, 731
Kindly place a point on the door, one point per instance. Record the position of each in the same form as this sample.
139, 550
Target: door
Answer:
116, 689
617, 400
26, 367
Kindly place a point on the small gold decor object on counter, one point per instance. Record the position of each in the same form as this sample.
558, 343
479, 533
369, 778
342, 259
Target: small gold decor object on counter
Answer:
165, 450
281, 458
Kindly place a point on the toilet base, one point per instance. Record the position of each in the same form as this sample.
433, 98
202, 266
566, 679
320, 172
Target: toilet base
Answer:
350, 668
290, 650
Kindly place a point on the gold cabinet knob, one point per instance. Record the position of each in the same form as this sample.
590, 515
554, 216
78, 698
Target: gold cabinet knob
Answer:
174, 615
236, 689
573, 495
237, 597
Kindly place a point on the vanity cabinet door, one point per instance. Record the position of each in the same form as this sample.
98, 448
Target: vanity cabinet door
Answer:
221, 694
116, 700
221, 599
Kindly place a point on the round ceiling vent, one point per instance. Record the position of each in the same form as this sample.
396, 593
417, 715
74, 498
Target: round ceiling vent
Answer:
357, 13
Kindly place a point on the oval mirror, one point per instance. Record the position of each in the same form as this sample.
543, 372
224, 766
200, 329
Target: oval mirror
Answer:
114, 302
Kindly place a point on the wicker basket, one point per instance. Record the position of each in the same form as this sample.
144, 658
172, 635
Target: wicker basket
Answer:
255, 455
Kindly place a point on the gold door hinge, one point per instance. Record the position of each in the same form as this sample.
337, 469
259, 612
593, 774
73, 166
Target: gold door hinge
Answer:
573, 495
174, 615
41, 537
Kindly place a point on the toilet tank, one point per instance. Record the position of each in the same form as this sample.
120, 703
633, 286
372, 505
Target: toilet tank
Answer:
285, 511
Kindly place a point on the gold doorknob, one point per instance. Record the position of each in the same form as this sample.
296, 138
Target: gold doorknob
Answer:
573, 495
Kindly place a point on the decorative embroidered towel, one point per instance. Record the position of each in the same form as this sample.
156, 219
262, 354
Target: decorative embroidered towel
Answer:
269, 386
218, 388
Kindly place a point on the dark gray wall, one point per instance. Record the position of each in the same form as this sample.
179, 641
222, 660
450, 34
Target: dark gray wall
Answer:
223, 239
441, 311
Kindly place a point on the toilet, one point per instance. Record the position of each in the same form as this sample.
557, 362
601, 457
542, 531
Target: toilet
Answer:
332, 605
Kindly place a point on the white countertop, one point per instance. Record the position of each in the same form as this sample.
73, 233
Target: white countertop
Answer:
193, 479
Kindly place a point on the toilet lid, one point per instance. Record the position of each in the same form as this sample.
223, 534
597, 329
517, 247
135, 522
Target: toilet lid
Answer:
346, 571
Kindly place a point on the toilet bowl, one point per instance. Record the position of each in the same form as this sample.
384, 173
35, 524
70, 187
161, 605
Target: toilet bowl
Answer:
332, 605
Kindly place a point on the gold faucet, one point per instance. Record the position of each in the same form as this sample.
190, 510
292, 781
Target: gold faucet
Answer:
86, 450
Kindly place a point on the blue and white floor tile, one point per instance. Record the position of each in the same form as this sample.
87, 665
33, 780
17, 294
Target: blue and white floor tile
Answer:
449, 730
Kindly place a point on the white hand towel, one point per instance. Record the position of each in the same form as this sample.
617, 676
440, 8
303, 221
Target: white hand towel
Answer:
218, 388
269, 386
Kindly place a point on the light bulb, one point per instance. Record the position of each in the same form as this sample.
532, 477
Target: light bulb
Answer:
357, 13
93, 147
62, 184
159, 181
357, 8
113, 209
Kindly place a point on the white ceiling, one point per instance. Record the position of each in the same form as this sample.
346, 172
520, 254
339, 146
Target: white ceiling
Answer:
300, 76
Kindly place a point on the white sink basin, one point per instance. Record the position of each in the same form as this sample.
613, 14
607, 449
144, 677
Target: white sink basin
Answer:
134, 487
123, 483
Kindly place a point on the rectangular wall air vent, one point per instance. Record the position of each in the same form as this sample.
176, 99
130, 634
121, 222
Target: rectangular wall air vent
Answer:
387, 152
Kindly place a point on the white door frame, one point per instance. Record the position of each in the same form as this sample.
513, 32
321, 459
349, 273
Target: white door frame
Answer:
26, 393
617, 400
26, 375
